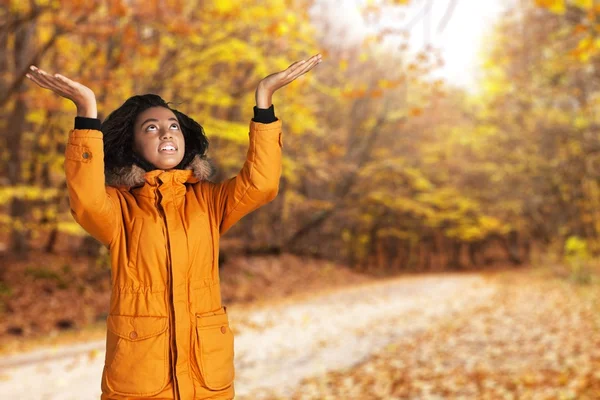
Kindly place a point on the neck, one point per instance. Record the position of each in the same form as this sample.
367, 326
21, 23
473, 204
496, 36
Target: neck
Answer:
141, 162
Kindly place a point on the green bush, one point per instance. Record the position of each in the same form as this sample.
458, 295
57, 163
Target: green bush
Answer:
577, 257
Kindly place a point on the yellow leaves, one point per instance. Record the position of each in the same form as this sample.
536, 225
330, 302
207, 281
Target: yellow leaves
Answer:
130, 36
412, 67
278, 28
168, 41
580, 28
576, 246
577, 256
93, 354
490, 224
362, 91
354, 93
46, 32
496, 86
291, 19
44, 140
421, 183
376, 93
415, 112
36, 116
555, 6
585, 4
389, 84
589, 45
369, 123
343, 65
19, 7
581, 122
233, 131
7, 193
335, 150
585, 48
397, 233
225, 6
118, 8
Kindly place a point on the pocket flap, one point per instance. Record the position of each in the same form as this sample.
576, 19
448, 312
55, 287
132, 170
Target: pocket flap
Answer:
212, 318
136, 328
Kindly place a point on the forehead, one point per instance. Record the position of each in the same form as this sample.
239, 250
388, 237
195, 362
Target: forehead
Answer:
159, 113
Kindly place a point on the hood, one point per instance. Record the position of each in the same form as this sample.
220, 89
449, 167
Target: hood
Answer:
133, 175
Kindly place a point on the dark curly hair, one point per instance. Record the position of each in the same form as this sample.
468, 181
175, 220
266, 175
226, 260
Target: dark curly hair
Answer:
117, 130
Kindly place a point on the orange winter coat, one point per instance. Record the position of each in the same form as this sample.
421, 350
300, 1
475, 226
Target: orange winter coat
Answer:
168, 332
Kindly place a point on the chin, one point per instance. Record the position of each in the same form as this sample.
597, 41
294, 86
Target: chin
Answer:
167, 164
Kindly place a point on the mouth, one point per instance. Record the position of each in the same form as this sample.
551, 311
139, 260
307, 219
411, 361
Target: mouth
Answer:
168, 148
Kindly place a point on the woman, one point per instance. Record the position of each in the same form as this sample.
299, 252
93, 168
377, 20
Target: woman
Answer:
139, 184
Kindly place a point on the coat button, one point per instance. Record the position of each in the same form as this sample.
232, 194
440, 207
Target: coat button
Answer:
223, 329
86, 155
133, 335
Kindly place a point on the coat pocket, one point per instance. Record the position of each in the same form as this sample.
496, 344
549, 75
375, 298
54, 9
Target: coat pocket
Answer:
137, 358
134, 242
214, 349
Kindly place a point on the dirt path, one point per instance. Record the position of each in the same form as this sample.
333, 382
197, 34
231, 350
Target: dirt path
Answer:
292, 342
278, 345
536, 338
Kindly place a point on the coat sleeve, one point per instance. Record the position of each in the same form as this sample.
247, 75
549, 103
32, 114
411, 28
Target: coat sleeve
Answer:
92, 206
258, 181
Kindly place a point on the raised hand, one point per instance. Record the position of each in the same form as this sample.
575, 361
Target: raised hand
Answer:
81, 95
276, 81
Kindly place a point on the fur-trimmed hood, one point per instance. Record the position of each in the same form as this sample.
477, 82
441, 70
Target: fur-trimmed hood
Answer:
134, 175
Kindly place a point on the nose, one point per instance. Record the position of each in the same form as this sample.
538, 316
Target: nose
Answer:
166, 135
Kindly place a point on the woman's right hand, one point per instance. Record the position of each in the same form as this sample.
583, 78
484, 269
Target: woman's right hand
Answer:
81, 95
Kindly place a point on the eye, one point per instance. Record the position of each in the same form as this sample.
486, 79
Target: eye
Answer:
174, 126
151, 128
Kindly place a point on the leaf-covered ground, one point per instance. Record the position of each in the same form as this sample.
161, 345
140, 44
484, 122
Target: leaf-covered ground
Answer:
537, 338
51, 299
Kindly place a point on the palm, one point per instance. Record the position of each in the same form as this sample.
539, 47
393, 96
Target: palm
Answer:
81, 95
280, 79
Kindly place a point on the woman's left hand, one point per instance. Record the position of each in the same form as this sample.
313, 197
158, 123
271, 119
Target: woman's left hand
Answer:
276, 81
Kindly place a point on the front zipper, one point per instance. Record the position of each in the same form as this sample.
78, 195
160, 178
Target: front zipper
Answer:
169, 294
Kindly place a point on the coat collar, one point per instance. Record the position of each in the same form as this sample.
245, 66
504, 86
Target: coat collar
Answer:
198, 169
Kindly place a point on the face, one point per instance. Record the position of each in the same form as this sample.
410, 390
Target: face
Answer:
158, 138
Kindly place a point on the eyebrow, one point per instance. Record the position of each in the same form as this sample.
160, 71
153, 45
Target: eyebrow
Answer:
155, 120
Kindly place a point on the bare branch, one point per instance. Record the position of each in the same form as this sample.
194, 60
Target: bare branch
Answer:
447, 15
4, 97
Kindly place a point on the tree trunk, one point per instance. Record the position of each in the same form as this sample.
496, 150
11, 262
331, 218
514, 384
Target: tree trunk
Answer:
18, 124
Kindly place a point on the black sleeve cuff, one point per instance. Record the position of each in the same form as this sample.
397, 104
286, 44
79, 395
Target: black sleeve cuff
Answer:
264, 115
87, 123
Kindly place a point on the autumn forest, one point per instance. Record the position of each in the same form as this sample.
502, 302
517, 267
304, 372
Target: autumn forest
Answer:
388, 167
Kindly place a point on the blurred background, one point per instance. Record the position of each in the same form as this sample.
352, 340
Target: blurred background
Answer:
445, 153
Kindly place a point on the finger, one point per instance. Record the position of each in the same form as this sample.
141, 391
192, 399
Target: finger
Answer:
297, 76
311, 58
43, 77
47, 81
310, 62
291, 74
298, 64
35, 80
295, 64
301, 71
56, 83
38, 79
66, 81
66, 84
